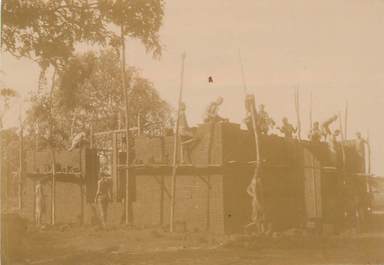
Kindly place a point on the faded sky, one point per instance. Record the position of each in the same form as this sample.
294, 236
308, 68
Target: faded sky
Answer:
334, 48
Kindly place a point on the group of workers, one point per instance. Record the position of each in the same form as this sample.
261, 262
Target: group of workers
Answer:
265, 123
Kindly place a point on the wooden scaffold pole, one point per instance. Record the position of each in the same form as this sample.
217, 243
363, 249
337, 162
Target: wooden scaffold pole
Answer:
21, 164
297, 108
256, 184
346, 120
310, 111
175, 147
53, 154
126, 102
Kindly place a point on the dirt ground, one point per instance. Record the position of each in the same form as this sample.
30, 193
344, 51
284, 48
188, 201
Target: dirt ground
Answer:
72, 245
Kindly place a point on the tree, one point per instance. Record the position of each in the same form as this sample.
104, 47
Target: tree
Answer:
88, 89
48, 31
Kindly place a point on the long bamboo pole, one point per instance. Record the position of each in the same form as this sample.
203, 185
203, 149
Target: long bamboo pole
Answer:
346, 120
175, 147
297, 108
253, 117
123, 87
253, 111
53, 155
310, 111
21, 165
369, 154
342, 141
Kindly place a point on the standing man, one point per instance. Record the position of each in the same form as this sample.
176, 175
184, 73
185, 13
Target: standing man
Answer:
186, 134
249, 108
360, 143
103, 197
39, 203
287, 129
264, 121
325, 127
315, 133
212, 113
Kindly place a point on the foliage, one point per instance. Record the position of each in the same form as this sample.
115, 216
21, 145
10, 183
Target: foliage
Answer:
88, 90
48, 31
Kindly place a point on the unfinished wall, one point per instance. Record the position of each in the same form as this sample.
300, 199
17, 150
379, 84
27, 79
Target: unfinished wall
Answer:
196, 207
68, 201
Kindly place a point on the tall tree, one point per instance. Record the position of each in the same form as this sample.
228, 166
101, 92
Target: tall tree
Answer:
88, 89
48, 31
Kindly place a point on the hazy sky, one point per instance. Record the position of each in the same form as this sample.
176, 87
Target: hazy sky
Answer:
334, 48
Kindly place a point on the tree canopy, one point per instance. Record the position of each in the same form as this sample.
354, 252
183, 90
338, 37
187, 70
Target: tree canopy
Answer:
88, 90
48, 31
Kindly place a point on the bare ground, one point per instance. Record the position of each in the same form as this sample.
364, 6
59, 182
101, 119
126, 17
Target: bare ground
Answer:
65, 245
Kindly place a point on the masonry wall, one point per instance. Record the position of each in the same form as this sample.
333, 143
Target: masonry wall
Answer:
68, 201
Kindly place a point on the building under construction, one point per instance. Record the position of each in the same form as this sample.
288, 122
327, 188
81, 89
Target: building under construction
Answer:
304, 184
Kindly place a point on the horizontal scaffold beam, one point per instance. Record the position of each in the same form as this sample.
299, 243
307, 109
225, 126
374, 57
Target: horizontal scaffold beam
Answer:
60, 176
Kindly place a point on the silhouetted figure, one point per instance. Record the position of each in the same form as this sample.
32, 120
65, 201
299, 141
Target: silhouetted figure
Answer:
186, 134
287, 129
249, 108
315, 133
103, 197
325, 126
264, 121
212, 113
360, 143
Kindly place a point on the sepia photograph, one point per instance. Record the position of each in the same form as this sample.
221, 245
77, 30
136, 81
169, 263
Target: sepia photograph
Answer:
204, 132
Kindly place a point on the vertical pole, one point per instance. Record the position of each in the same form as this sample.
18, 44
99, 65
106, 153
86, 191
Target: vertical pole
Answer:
242, 75
175, 147
53, 187
310, 111
91, 137
256, 174
2, 160
161, 200
342, 139
115, 163
123, 87
208, 202
297, 107
83, 156
53, 157
138, 124
346, 121
21, 167
369, 154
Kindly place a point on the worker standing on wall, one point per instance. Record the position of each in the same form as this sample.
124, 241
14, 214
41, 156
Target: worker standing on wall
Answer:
249, 108
264, 121
315, 133
186, 134
325, 126
287, 129
103, 197
212, 113
360, 143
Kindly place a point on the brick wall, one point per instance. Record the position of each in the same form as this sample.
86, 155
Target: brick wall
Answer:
68, 201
